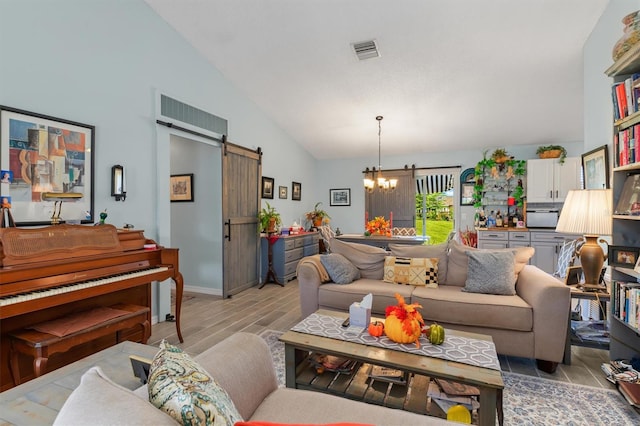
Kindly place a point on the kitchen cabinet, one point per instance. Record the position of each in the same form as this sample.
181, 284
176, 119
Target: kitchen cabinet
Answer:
500, 239
490, 239
547, 246
551, 181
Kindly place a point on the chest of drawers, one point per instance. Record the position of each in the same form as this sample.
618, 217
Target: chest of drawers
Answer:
287, 251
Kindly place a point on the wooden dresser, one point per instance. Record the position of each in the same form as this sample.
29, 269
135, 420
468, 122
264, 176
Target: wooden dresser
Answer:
287, 252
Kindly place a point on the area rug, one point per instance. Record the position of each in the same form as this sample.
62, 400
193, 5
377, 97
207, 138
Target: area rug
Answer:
532, 400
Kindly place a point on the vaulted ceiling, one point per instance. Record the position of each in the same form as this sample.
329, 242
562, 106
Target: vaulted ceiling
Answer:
451, 74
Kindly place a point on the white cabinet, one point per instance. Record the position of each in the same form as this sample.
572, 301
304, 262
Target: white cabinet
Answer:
550, 181
547, 246
489, 239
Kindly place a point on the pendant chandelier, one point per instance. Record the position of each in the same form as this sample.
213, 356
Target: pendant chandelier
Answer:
381, 182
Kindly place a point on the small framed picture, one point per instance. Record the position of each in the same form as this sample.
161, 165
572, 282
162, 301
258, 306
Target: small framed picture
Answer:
626, 257
283, 192
340, 197
181, 188
595, 166
6, 176
296, 191
267, 187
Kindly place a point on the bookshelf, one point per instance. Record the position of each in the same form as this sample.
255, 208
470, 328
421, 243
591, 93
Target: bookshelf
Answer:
624, 337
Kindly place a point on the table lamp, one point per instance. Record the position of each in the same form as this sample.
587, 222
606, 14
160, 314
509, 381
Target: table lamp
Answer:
588, 212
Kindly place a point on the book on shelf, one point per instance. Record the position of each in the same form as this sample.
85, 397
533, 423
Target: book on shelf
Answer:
332, 363
618, 371
437, 395
631, 392
456, 388
387, 374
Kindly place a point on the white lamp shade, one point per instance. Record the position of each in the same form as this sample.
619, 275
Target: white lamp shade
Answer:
586, 212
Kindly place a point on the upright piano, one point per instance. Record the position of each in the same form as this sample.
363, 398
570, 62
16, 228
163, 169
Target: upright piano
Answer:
49, 272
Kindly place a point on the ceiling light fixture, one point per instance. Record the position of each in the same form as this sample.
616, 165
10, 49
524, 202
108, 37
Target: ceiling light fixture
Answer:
382, 183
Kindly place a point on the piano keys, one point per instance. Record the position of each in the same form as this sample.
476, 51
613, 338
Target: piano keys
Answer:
49, 272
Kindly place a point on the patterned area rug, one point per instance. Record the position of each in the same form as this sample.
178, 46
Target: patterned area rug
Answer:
532, 400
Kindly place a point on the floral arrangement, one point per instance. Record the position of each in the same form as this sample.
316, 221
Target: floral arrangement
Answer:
378, 226
403, 323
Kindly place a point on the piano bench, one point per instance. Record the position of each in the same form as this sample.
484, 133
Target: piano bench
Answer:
41, 345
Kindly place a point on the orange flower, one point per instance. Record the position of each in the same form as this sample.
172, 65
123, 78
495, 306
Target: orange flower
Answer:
378, 226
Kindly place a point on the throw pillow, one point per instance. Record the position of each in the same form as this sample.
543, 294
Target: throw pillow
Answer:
491, 272
418, 271
438, 250
180, 387
368, 259
99, 401
339, 268
459, 262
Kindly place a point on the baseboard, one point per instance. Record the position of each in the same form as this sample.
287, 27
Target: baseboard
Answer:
203, 290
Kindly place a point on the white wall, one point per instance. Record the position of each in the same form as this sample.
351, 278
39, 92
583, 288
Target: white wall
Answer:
100, 62
598, 110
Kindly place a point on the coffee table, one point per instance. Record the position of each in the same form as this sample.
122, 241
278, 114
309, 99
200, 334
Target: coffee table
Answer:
298, 345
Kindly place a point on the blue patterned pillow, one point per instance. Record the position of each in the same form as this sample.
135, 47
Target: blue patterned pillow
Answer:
339, 268
491, 272
183, 389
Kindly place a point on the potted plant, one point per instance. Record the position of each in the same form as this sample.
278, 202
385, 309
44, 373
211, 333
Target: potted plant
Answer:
500, 155
552, 151
269, 218
317, 216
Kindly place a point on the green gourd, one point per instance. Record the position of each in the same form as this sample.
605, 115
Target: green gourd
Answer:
436, 334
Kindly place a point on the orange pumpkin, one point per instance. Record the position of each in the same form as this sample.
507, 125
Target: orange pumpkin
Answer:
376, 328
395, 330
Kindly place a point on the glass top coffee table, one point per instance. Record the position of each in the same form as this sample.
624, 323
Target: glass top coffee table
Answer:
299, 373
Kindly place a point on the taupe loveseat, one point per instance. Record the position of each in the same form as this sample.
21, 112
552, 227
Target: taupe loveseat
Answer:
531, 323
242, 365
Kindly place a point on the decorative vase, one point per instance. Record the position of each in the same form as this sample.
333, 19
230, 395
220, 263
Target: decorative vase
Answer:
630, 37
317, 221
271, 227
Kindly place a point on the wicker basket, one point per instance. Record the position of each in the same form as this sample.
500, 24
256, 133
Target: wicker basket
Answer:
554, 153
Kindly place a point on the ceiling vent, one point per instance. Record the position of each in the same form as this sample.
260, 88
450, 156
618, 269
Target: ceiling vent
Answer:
366, 50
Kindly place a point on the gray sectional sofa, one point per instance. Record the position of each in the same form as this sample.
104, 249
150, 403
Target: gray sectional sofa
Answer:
531, 323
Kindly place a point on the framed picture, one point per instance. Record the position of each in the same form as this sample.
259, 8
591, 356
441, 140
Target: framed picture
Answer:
283, 192
623, 256
46, 162
595, 166
267, 187
181, 188
340, 197
467, 183
296, 191
629, 201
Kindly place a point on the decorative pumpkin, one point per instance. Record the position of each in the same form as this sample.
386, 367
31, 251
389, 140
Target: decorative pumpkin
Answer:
436, 334
376, 328
403, 323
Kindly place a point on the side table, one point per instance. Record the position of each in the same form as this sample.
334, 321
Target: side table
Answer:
602, 298
271, 273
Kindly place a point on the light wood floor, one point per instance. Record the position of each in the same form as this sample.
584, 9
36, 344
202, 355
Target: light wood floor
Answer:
207, 320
